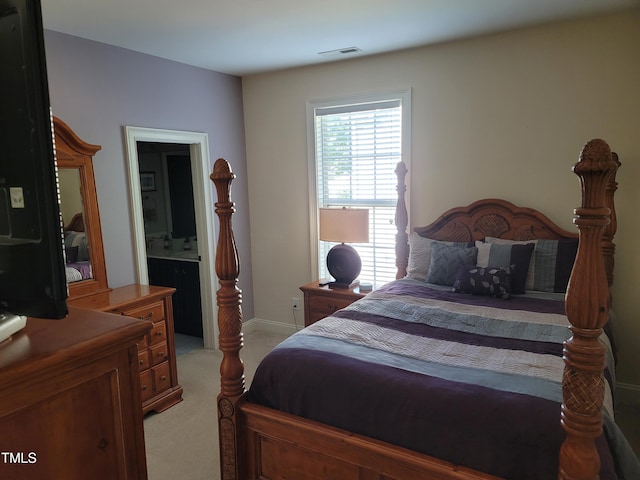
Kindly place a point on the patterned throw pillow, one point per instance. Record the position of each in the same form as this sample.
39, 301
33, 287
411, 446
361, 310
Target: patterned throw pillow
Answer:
484, 281
446, 260
499, 255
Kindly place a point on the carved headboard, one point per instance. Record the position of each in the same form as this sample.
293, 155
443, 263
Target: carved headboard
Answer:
76, 224
493, 217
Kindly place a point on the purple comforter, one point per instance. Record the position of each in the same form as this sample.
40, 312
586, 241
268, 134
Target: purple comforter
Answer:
444, 374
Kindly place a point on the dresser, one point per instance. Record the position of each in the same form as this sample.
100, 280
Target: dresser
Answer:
159, 388
70, 399
322, 301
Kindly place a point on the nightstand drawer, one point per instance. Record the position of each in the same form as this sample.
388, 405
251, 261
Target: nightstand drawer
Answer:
321, 301
327, 305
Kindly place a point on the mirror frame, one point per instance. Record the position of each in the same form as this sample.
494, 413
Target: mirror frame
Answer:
72, 152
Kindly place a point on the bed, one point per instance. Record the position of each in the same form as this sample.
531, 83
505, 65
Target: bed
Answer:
459, 369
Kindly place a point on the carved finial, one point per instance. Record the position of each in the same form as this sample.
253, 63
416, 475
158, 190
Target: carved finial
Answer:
595, 161
222, 169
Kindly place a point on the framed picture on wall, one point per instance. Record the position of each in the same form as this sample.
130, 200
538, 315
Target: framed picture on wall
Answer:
147, 181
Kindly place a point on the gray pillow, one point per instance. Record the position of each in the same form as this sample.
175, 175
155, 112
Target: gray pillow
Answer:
420, 255
446, 260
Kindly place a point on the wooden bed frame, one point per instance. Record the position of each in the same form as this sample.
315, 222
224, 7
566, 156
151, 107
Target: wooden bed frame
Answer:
257, 442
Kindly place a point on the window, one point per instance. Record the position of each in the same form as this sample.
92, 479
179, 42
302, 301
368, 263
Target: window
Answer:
357, 144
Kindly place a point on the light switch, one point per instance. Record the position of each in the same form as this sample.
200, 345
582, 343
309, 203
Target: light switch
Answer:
17, 198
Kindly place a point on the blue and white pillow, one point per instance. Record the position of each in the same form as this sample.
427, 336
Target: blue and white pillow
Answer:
550, 265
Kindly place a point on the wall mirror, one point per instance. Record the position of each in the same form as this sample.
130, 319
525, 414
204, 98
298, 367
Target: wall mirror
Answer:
86, 270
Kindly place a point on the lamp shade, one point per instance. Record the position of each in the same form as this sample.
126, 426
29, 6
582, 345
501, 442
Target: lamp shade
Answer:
346, 225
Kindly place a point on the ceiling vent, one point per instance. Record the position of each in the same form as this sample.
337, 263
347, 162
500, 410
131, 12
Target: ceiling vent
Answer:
340, 52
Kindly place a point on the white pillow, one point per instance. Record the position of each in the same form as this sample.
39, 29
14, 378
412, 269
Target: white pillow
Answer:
484, 250
420, 256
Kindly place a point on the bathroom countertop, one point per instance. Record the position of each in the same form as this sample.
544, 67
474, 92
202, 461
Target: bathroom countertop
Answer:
169, 254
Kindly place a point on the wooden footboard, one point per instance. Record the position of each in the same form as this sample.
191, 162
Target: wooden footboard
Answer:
259, 443
285, 446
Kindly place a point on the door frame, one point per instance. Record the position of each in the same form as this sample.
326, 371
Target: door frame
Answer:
203, 201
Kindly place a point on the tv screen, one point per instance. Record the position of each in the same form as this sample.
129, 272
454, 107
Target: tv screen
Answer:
32, 266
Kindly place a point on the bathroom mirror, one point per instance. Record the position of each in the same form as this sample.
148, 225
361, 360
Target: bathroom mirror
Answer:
86, 270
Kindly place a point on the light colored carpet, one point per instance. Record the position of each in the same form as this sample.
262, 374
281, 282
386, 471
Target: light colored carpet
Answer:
182, 442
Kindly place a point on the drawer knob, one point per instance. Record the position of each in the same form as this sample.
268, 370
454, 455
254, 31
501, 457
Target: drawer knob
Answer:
163, 378
145, 317
144, 387
161, 354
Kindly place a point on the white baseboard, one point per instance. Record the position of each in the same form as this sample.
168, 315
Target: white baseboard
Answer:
269, 326
627, 394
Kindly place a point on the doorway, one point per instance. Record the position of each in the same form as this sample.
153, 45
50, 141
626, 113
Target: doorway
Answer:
196, 144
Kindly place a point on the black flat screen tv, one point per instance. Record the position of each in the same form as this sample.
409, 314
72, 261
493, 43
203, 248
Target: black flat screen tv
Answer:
32, 266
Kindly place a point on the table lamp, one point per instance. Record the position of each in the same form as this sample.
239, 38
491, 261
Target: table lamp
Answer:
344, 225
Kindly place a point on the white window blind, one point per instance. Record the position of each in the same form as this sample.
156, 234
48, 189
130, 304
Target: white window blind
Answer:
357, 149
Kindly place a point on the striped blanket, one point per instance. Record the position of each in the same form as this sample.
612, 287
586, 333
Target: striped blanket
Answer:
472, 380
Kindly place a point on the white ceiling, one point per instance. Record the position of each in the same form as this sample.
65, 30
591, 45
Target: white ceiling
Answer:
241, 37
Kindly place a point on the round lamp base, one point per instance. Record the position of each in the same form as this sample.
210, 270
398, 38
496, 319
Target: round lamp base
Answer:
343, 263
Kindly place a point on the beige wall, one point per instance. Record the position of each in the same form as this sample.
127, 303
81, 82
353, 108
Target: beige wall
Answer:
499, 116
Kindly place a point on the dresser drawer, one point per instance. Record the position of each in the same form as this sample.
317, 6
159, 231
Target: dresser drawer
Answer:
161, 377
146, 385
158, 333
144, 343
153, 312
158, 353
143, 360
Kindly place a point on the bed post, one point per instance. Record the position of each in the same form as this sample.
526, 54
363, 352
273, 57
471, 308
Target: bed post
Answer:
587, 307
401, 221
229, 298
608, 247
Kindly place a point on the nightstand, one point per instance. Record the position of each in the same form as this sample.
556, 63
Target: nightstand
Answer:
320, 302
